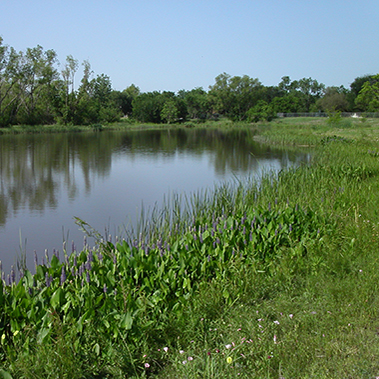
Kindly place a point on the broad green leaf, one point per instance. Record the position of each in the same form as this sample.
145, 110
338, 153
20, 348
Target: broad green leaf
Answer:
5, 375
43, 334
126, 321
54, 263
57, 298
97, 349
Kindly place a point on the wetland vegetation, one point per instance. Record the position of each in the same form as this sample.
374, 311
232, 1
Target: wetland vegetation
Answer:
271, 279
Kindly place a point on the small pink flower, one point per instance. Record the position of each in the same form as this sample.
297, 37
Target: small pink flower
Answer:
291, 315
190, 358
181, 351
147, 365
165, 349
184, 362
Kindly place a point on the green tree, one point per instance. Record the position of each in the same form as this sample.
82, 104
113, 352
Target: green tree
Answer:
37, 85
169, 111
368, 98
260, 112
10, 71
197, 103
88, 107
310, 90
307, 90
286, 104
147, 107
67, 109
234, 96
124, 99
333, 100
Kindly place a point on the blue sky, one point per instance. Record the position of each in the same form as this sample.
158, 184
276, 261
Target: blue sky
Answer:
176, 44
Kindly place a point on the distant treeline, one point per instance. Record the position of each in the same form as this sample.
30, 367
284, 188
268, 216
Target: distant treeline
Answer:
35, 89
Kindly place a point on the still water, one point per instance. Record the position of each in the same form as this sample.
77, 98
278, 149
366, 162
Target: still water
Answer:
106, 178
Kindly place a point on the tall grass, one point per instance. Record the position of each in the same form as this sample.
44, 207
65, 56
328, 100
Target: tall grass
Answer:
269, 279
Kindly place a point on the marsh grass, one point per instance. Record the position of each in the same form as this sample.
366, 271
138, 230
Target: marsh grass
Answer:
276, 279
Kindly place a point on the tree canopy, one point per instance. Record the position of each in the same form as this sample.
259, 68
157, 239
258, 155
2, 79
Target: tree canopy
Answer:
35, 89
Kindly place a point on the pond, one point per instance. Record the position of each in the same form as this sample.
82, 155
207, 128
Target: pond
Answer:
106, 178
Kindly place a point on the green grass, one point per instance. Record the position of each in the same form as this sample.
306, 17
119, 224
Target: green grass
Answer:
277, 279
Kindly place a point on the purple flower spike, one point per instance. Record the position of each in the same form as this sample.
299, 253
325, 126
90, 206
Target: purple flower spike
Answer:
87, 277
63, 275
105, 288
13, 275
35, 259
88, 266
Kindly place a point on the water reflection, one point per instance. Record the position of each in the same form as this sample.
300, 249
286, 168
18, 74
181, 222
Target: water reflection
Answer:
45, 179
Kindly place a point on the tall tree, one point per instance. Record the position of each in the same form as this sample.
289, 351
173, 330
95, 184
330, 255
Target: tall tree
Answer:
197, 103
68, 74
234, 96
36, 85
9, 76
368, 98
334, 99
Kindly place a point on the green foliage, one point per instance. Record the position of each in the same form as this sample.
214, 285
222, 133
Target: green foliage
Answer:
334, 99
260, 112
334, 118
169, 111
234, 96
368, 98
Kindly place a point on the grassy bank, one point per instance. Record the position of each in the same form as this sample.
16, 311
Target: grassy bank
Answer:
271, 280
123, 124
